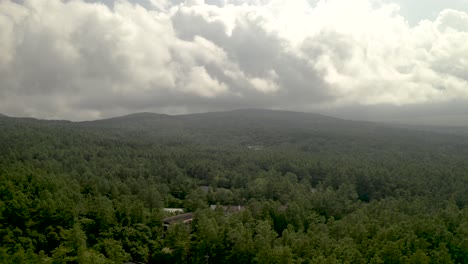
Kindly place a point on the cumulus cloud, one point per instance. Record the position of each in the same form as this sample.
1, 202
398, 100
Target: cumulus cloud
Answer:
88, 59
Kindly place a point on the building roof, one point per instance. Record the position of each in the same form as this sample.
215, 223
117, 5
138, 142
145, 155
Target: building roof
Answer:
181, 218
173, 210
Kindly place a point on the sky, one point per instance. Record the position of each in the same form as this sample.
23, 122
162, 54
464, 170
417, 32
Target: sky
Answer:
381, 60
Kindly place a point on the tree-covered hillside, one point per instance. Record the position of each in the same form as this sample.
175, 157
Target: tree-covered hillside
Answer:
310, 189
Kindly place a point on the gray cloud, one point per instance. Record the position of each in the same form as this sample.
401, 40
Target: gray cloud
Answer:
88, 59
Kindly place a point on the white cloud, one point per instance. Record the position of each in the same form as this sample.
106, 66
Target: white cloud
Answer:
201, 83
373, 56
74, 59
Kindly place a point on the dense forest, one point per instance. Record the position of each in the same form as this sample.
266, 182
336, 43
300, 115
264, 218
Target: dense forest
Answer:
309, 188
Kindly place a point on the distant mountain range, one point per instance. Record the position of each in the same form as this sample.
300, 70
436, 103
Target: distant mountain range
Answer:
256, 121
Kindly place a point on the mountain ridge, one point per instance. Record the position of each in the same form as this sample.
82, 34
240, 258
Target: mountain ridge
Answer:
238, 119
160, 115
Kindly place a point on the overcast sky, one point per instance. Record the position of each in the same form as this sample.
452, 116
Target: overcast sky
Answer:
382, 60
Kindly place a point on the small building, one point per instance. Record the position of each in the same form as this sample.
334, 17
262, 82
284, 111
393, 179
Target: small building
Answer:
173, 210
255, 147
181, 218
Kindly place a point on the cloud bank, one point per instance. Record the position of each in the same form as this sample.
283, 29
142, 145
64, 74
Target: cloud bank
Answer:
86, 60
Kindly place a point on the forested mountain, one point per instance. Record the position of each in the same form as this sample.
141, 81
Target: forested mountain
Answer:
312, 188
